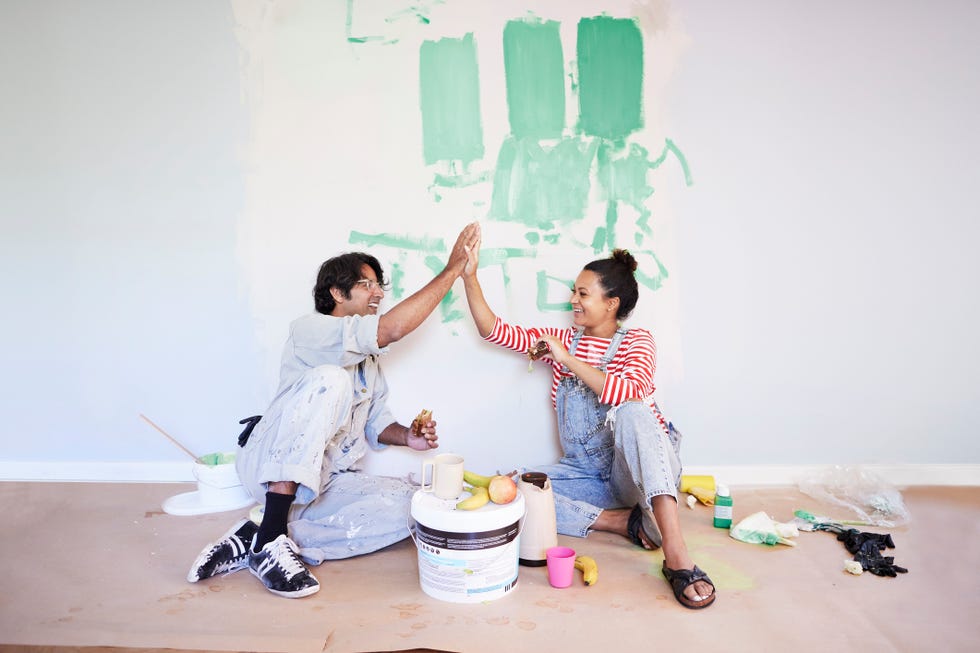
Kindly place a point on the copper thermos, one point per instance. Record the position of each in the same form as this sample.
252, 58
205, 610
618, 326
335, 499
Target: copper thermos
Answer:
539, 530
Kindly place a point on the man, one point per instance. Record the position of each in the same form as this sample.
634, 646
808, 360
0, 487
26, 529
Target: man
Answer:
302, 457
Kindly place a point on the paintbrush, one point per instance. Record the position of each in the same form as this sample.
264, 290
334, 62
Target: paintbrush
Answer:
807, 521
170, 437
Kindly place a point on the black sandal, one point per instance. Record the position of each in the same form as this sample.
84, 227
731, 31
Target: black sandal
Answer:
633, 526
681, 579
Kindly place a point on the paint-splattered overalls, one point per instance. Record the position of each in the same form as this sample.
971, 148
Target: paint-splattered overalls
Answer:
354, 512
613, 457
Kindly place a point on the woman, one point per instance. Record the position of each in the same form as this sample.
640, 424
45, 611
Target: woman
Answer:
620, 468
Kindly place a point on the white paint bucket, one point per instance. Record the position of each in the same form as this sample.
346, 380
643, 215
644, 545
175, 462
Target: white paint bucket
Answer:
466, 556
218, 488
215, 483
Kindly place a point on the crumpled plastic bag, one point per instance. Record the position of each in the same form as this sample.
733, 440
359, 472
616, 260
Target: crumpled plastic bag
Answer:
859, 490
760, 528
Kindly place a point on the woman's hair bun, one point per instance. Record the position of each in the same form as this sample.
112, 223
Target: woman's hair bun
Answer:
623, 257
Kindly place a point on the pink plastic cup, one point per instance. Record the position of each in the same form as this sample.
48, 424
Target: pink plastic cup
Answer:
561, 565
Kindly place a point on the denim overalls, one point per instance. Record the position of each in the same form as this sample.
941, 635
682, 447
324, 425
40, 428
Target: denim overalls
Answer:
613, 457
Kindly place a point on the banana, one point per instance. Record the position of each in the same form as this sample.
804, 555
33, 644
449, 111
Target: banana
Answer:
480, 496
476, 480
589, 569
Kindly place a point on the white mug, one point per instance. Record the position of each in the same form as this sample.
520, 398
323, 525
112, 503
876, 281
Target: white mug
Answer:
445, 475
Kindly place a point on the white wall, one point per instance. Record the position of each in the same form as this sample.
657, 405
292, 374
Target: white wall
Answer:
171, 174
121, 186
830, 299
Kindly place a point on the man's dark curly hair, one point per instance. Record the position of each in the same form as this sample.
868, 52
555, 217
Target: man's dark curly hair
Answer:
342, 272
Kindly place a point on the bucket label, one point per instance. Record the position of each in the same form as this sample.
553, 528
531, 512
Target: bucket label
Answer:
467, 541
467, 567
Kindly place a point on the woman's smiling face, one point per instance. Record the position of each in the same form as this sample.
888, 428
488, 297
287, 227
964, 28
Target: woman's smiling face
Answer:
591, 309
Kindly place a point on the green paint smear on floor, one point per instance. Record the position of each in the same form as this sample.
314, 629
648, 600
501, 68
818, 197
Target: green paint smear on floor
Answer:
610, 77
540, 186
449, 97
723, 575
534, 68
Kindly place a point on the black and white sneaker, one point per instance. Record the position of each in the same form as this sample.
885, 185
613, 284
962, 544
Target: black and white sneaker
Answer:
226, 555
279, 568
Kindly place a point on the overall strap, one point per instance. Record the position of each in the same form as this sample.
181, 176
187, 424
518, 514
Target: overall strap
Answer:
572, 347
617, 339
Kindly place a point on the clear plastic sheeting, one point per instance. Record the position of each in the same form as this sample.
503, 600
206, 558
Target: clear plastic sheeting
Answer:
859, 490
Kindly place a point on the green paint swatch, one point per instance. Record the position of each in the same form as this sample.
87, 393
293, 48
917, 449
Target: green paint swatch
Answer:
399, 241
539, 186
610, 77
543, 281
533, 64
450, 100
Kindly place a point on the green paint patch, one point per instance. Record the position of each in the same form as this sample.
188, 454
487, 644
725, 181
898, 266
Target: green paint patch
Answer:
535, 73
447, 306
656, 279
723, 575
460, 181
219, 458
545, 282
540, 186
623, 179
671, 148
397, 276
610, 77
500, 255
422, 244
449, 98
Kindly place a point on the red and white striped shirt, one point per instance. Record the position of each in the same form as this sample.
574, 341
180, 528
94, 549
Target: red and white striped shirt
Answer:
629, 375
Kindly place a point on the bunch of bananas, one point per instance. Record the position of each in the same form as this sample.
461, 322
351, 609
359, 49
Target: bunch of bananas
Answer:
484, 489
479, 491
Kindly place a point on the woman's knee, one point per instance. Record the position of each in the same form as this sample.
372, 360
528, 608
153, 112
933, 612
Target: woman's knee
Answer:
633, 417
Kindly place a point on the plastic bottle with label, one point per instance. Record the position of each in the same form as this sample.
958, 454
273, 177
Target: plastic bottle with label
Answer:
723, 507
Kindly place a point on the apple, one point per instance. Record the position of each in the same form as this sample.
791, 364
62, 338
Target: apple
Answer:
502, 489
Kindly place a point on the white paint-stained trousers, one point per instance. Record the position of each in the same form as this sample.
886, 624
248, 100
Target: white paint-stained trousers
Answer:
338, 512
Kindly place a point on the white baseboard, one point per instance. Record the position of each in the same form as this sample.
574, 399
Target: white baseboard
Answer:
734, 475
97, 472
897, 475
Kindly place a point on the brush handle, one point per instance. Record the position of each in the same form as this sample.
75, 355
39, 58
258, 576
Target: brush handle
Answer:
169, 437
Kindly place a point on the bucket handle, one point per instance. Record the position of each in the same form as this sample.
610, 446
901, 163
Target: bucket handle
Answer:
411, 531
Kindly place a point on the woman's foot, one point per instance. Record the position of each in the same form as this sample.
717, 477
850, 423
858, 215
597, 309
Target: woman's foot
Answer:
701, 591
684, 579
698, 592
618, 521
676, 557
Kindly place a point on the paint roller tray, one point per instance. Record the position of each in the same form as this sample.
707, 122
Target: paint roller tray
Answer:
192, 503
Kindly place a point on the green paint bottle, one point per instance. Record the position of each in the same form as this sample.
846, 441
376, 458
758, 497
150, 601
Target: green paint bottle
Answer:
723, 507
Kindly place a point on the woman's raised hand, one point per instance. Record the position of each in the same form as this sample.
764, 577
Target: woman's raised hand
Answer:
468, 241
472, 250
